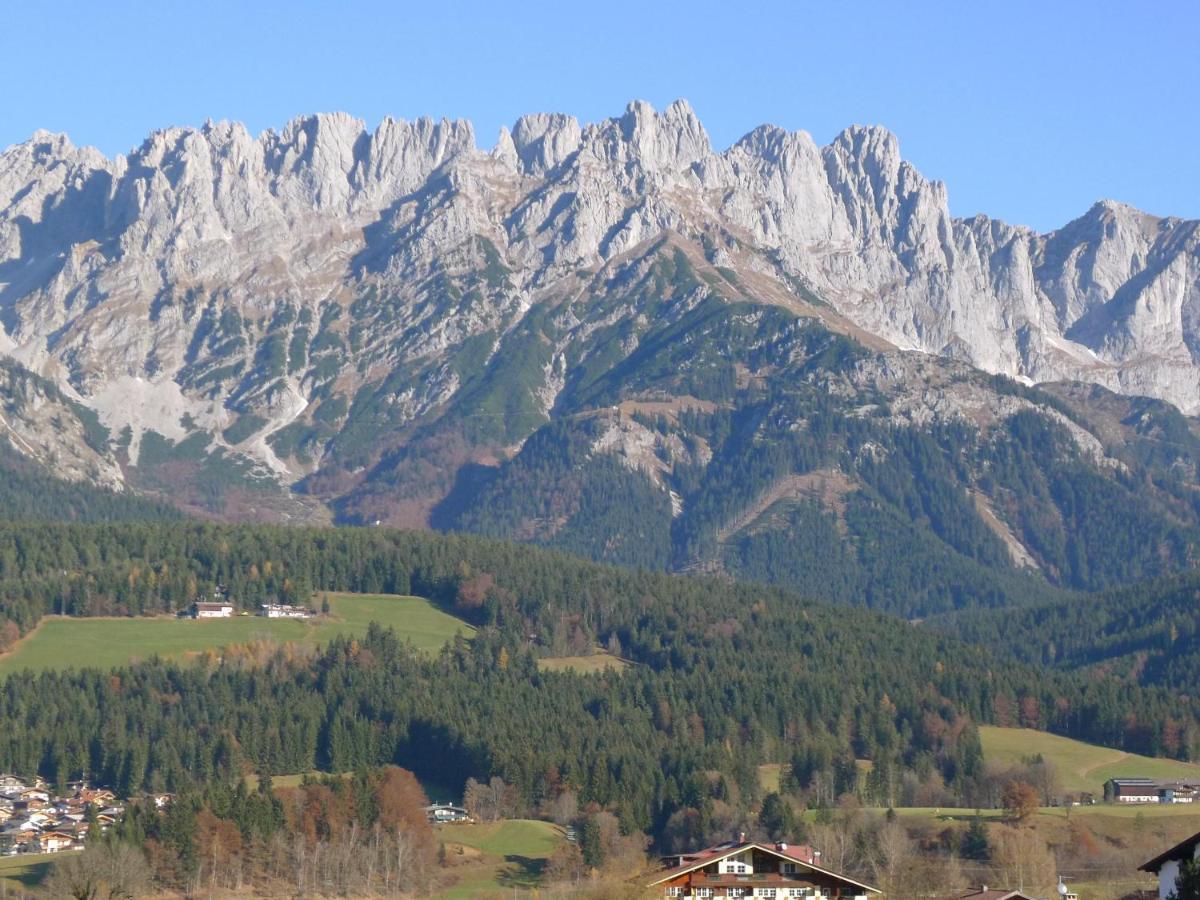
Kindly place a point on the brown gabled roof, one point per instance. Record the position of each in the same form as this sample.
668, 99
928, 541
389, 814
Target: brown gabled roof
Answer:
702, 858
992, 894
1182, 850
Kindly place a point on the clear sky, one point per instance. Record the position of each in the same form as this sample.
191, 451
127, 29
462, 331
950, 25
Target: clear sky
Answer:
1029, 111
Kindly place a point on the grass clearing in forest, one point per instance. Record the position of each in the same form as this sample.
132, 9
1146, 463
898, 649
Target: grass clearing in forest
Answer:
584, 665
1080, 767
61, 642
769, 777
498, 856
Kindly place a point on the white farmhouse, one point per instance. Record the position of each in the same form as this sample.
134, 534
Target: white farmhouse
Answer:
218, 610
1166, 865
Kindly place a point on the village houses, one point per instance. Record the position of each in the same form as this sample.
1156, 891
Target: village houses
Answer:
34, 820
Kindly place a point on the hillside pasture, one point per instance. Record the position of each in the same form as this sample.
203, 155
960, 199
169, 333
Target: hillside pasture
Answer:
61, 642
498, 857
1080, 767
18, 873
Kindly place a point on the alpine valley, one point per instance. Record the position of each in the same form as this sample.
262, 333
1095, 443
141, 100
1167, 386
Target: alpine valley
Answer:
780, 362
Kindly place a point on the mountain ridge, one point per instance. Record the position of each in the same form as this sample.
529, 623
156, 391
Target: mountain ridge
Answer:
332, 163
397, 325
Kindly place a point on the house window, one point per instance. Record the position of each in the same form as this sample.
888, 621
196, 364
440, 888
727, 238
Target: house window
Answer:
767, 892
736, 892
674, 892
704, 892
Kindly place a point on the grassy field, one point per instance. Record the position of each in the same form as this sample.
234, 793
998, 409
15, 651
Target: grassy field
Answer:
25, 871
1080, 766
509, 856
1181, 812
437, 792
60, 643
587, 665
769, 776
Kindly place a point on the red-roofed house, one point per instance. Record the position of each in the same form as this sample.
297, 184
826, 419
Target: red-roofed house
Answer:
753, 869
98, 796
986, 893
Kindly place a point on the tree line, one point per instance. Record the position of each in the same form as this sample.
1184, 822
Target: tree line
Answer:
724, 677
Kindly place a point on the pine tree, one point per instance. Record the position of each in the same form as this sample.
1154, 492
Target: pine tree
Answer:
975, 844
777, 818
1187, 885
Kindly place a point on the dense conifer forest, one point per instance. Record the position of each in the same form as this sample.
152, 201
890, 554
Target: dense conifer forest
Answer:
721, 679
724, 676
899, 527
28, 494
1146, 633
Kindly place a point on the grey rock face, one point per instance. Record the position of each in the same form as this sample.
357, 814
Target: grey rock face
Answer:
211, 274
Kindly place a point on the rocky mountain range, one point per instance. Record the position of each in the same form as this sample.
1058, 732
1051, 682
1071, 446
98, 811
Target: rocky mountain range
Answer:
398, 326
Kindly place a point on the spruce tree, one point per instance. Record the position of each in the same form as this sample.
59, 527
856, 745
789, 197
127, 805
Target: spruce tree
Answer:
975, 844
1187, 885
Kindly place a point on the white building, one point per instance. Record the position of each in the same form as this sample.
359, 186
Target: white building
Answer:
1131, 790
751, 869
446, 812
1166, 865
55, 841
218, 610
284, 611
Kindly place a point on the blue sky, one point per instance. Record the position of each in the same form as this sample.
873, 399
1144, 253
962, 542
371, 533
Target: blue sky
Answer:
1028, 111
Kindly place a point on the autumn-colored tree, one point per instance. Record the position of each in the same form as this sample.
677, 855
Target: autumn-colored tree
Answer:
219, 848
318, 812
487, 802
1002, 711
401, 802
10, 633
565, 864
473, 592
1020, 799
1083, 841
1172, 735
1030, 712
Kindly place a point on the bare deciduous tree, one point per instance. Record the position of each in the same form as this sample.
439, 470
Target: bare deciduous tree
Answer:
104, 871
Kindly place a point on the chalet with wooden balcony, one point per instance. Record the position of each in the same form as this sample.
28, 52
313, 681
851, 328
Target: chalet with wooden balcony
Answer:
753, 869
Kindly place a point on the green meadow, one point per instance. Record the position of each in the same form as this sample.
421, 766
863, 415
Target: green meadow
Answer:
25, 871
1079, 766
61, 642
512, 854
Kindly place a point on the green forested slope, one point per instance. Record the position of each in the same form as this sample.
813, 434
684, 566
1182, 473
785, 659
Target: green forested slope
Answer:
725, 676
1147, 633
902, 532
28, 494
